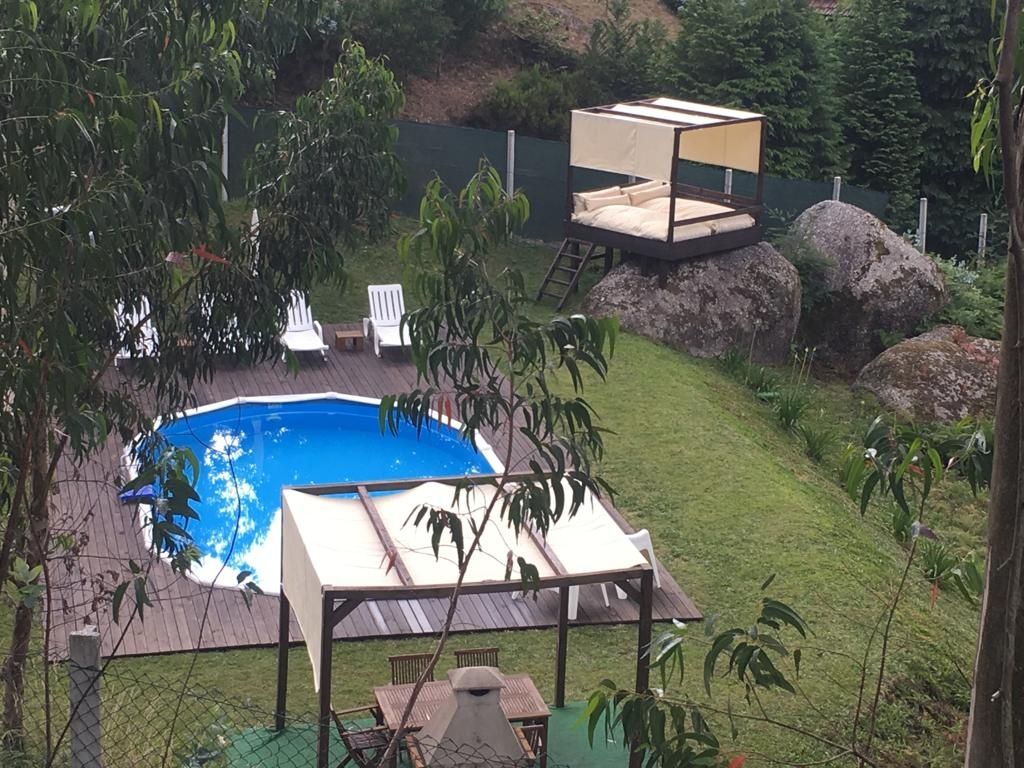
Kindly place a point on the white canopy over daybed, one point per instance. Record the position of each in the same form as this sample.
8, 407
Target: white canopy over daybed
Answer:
338, 552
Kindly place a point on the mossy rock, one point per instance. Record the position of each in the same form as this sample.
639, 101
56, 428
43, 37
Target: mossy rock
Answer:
748, 298
939, 376
879, 285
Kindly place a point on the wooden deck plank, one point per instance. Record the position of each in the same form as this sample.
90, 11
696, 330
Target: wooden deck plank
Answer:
112, 537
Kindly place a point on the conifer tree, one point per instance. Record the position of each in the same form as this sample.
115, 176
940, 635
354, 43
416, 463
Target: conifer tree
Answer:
949, 40
882, 117
768, 56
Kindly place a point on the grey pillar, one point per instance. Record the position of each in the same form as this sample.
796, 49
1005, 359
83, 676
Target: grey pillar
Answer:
86, 743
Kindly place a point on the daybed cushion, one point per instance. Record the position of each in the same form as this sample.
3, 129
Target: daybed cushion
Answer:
600, 202
643, 195
579, 199
643, 186
650, 219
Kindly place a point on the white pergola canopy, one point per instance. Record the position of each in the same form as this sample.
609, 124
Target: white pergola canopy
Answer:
369, 548
639, 138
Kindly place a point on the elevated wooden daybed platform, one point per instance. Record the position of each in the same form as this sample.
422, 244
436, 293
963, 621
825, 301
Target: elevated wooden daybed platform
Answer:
658, 216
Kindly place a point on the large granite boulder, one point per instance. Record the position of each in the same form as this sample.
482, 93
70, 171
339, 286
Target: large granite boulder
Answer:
942, 375
747, 298
878, 284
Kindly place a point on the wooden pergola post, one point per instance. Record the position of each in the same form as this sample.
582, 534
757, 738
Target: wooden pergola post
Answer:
323, 738
562, 648
283, 620
643, 647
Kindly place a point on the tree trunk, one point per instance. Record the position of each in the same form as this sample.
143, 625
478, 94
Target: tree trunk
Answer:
36, 546
995, 737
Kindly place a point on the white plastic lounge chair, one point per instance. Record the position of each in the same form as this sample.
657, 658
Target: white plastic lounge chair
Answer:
303, 334
386, 309
642, 541
146, 338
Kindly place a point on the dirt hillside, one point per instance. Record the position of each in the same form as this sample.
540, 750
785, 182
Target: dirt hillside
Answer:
462, 81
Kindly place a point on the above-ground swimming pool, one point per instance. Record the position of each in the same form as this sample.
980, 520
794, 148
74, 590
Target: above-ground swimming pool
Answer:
249, 448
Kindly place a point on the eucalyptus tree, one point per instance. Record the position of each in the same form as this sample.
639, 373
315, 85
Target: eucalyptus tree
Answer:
483, 359
110, 122
995, 735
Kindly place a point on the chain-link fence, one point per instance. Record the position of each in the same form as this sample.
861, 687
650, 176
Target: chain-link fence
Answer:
453, 153
120, 717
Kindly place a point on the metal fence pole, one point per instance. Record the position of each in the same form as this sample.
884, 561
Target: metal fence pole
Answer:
85, 728
224, 160
837, 185
922, 225
510, 164
728, 181
982, 236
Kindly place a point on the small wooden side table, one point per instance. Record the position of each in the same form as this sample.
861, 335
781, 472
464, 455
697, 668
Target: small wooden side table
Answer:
350, 339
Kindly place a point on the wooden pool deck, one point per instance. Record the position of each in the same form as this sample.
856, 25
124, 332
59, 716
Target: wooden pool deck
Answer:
109, 536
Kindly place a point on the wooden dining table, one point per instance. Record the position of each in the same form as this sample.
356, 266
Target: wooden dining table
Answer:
520, 701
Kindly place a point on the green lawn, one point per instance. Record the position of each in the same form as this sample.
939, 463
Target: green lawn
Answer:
729, 499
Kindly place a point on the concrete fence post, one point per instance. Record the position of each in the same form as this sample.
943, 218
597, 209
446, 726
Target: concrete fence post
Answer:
510, 164
837, 186
982, 236
922, 225
728, 181
85, 728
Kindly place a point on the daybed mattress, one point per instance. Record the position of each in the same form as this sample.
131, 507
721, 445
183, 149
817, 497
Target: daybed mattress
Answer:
650, 219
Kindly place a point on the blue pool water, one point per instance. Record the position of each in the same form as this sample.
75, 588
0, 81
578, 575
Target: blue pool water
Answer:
248, 451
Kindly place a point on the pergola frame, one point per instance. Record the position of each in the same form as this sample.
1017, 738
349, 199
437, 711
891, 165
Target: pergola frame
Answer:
338, 603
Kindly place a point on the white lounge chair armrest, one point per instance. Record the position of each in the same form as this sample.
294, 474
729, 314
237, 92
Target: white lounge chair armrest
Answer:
319, 329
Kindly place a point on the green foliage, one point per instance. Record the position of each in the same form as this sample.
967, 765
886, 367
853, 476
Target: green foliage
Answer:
625, 58
818, 441
332, 159
481, 359
949, 41
813, 267
882, 114
768, 56
790, 407
964, 447
938, 563
110, 157
534, 102
470, 17
672, 729
976, 294
531, 39
409, 34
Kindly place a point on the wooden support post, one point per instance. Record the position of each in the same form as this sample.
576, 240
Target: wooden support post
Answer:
282, 663
323, 741
643, 645
562, 649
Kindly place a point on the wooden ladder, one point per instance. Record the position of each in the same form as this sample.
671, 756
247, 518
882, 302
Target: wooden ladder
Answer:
564, 273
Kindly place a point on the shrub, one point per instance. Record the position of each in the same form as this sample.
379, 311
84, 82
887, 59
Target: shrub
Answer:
938, 563
625, 59
734, 363
790, 406
818, 441
409, 33
535, 102
469, 18
530, 39
762, 382
975, 297
812, 266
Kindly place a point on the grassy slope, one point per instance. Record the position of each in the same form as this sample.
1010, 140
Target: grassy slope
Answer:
728, 498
